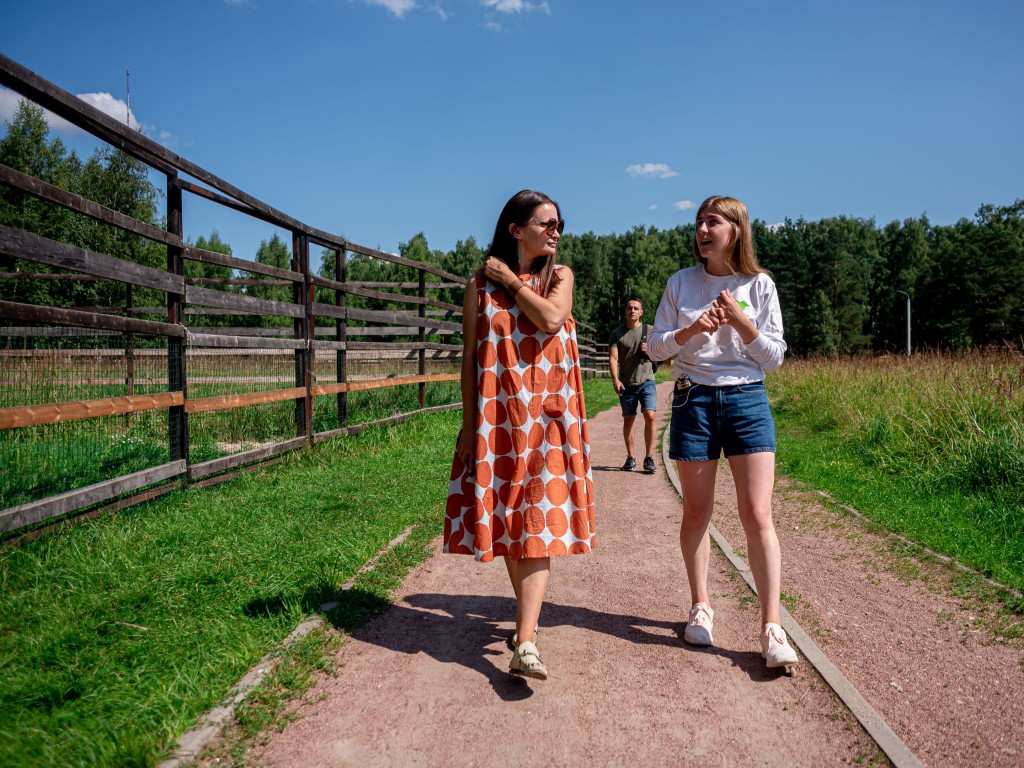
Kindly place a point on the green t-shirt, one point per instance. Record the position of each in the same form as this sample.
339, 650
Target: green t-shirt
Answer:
634, 366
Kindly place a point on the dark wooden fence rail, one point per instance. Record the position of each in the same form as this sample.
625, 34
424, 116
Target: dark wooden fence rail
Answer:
317, 327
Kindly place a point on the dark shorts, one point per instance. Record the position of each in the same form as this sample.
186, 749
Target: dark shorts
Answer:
707, 421
645, 394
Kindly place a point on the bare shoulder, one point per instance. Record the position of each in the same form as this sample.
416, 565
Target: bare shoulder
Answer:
564, 273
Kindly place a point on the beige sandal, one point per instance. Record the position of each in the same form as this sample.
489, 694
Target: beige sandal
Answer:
526, 662
513, 639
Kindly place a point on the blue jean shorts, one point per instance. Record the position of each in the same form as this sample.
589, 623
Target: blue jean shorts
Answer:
645, 394
707, 421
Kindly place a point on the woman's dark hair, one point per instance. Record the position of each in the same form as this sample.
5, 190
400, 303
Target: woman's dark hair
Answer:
504, 246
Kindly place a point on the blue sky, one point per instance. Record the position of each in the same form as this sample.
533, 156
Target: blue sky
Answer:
379, 119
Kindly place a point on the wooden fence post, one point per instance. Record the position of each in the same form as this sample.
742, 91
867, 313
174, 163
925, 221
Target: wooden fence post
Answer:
177, 379
303, 330
423, 339
341, 334
129, 341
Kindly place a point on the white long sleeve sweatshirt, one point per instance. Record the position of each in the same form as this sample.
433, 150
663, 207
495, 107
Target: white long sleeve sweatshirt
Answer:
721, 358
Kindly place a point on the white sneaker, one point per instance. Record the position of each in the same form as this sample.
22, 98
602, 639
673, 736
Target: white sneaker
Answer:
698, 626
775, 648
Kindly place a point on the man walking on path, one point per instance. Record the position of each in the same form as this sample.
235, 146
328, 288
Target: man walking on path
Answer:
633, 378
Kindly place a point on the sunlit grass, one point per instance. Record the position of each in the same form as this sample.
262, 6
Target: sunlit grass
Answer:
46, 460
117, 634
932, 448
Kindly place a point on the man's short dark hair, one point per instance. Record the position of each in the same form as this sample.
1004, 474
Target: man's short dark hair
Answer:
637, 299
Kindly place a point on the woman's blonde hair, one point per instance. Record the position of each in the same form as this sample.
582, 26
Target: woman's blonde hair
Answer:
742, 259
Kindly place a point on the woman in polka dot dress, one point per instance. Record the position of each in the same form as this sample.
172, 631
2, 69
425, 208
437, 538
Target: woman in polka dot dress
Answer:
521, 486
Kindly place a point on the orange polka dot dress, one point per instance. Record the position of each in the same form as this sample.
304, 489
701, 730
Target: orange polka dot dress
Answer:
532, 492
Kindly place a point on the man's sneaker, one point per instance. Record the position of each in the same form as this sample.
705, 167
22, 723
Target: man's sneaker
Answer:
775, 648
649, 464
698, 626
630, 464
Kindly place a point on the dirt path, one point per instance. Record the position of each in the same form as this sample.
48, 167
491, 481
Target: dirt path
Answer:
925, 659
427, 682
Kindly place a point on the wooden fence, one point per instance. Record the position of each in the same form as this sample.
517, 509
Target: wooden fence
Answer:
321, 353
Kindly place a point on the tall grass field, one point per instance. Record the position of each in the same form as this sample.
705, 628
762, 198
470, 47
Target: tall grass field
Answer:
931, 447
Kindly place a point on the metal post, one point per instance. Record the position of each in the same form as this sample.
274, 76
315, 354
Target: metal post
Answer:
904, 293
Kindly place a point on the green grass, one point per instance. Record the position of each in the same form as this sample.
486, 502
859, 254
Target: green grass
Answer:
932, 448
117, 634
51, 459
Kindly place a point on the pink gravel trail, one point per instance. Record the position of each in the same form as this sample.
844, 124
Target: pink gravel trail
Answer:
427, 682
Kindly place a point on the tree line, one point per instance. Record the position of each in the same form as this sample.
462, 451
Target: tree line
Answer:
841, 280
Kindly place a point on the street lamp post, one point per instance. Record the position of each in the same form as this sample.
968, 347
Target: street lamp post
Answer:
904, 293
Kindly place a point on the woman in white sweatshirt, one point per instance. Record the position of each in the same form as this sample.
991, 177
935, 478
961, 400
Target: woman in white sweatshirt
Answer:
721, 320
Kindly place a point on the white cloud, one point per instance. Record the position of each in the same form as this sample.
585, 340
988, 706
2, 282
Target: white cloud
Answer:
397, 8
655, 170
516, 6
9, 101
8, 104
108, 105
104, 102
652, 207
167, 139
684, 205
401, 8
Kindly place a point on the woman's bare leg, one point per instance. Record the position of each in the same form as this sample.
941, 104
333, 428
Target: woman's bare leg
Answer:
532, 575
754, 474
510, 564
698, 481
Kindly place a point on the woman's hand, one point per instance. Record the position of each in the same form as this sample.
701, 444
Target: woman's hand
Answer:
498, 271
709, 322
732, 314
465, 447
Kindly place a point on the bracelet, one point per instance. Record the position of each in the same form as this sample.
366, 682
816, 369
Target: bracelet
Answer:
515, 287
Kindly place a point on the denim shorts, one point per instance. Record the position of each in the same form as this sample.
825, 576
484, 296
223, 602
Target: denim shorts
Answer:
709, 420
646, 394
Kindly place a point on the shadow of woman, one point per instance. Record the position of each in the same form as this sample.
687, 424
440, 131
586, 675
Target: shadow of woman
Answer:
472, 630
448, 628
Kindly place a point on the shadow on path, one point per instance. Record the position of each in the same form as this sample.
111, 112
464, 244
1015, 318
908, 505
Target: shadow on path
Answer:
471, 630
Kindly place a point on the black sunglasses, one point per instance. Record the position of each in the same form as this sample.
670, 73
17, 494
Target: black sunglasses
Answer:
550, 226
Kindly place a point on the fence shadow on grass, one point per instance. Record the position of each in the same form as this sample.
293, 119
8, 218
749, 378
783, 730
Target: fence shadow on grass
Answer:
350, 609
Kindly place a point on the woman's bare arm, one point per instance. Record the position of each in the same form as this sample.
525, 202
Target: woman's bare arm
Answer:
547, 313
